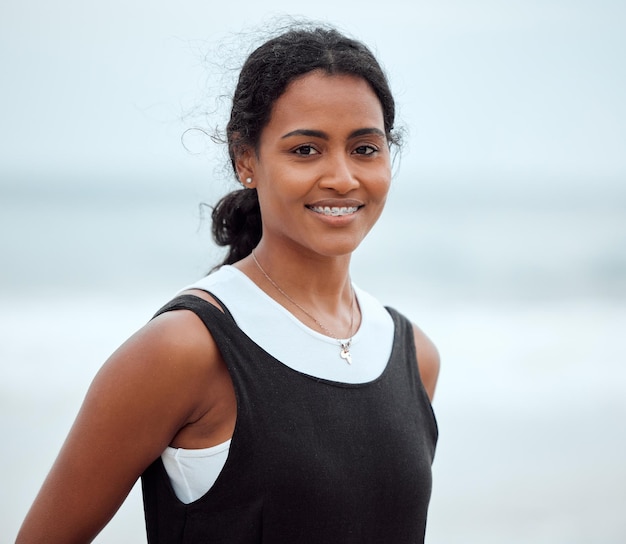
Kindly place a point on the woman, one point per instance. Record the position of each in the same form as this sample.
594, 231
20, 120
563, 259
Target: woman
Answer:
272, 401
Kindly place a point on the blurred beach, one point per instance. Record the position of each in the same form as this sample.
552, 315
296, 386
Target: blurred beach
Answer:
525, 300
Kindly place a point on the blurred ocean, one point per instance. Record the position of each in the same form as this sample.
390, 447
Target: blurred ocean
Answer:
520, 282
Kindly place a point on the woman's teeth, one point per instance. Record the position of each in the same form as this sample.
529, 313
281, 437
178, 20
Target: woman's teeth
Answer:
335, 211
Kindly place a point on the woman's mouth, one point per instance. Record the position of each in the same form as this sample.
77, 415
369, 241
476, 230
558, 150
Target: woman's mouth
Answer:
335, 211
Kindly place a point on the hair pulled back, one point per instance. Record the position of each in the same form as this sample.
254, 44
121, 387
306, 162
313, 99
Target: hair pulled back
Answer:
264, 77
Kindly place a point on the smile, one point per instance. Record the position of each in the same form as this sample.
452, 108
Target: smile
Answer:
334, 211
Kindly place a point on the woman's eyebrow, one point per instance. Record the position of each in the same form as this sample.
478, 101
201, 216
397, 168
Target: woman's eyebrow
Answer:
366, 131
306, 132
324, 136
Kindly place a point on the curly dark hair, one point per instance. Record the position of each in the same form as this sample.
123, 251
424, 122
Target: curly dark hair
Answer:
264, 77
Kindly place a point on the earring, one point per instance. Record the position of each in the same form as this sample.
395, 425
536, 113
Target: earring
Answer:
248, 180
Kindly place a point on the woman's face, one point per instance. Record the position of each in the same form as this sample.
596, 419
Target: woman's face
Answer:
322, 168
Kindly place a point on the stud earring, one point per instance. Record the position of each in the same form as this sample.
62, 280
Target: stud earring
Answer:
248, 180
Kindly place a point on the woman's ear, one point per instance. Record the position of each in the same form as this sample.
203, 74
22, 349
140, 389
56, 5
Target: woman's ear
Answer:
245, 163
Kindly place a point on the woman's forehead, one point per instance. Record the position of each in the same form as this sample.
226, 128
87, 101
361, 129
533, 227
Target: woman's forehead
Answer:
318, 98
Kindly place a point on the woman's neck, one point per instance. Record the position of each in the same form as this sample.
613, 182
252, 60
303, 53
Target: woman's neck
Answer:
315, 288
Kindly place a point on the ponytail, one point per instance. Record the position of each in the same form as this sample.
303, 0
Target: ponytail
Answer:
237, 224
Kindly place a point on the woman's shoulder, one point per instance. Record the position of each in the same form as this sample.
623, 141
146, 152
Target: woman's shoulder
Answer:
177, 333
173, 351
428, 360
180, 324
427, 354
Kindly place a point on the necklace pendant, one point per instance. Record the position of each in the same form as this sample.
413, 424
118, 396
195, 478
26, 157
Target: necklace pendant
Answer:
345, 353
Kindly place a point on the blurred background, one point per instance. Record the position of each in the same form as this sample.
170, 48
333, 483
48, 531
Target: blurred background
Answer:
504, 237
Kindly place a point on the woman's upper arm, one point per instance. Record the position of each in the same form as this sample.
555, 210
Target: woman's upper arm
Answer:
428, 360
148, 389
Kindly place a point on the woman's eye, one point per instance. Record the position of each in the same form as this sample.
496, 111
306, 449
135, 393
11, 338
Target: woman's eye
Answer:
305, 150
365, 150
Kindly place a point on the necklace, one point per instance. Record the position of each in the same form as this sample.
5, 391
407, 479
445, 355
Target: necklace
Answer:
345, 344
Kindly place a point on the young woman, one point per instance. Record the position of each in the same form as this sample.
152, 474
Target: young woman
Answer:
273, 401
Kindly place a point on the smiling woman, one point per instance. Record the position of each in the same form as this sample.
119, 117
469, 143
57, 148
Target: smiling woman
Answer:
272, 401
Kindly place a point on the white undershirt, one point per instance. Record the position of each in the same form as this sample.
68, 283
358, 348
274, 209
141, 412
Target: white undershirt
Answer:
193, 472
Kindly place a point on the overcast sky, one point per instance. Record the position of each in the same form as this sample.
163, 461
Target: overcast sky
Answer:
487, 88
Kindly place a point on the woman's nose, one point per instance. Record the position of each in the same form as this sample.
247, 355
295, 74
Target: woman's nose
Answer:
339, 175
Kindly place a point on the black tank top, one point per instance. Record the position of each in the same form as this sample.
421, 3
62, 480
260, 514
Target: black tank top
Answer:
311, 460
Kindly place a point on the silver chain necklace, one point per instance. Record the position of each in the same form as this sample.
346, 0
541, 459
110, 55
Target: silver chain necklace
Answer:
345, 345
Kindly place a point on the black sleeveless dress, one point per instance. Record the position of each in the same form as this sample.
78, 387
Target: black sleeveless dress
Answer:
311, 460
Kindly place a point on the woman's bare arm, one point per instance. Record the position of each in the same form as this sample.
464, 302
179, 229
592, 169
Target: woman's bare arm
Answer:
152, 386
428, 361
